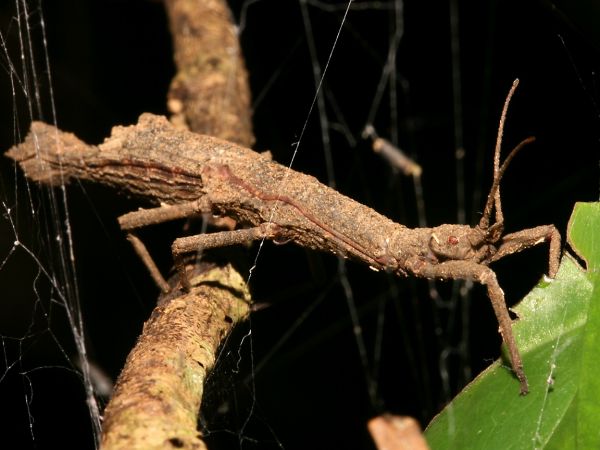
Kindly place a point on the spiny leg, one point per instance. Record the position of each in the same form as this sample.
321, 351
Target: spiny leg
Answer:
464, 270
521, 240
201, 242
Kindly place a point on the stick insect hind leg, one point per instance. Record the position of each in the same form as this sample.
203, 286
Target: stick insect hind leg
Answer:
200, 242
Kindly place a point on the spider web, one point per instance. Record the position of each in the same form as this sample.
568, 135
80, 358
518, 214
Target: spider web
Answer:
430, 82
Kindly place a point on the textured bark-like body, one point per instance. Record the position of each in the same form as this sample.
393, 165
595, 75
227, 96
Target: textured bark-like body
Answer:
165, 165
198, 173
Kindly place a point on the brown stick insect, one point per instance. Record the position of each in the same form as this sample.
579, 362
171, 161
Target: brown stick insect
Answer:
189, 174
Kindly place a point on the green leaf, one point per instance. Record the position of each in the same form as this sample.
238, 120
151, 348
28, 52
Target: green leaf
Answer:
559, 338
584, 221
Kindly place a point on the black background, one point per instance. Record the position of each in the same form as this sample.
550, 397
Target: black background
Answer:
111, 61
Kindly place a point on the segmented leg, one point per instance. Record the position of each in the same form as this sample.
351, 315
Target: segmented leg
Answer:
521, 240
201, 242
165, 213
144, 255
484, 275
152, 216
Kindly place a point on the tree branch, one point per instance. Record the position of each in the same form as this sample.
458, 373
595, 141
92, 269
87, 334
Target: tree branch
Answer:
157, 397
210, 92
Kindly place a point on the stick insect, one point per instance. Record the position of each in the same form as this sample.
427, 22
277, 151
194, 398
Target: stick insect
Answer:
188, 174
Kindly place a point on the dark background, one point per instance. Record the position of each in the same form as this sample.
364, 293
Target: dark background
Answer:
111, 61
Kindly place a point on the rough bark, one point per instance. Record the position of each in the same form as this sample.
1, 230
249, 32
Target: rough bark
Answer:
157, 397
210, 92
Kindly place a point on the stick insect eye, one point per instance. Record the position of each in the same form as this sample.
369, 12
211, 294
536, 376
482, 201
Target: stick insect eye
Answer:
451, 242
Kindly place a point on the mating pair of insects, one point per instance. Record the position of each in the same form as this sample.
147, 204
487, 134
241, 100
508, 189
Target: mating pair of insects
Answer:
190, 174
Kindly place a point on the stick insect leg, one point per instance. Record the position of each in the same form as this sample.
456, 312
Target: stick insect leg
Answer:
202, 242
457, 270
165, 213
145, 217
144, 255
521, 240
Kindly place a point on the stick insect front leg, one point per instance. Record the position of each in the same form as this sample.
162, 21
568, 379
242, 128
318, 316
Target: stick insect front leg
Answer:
465, 270
524, 239
463, 252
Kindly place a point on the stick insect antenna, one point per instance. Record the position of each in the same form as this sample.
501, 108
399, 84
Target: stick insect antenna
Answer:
496, 184
493, 200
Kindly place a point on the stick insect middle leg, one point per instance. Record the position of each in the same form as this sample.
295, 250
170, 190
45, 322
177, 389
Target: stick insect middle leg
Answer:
200, 242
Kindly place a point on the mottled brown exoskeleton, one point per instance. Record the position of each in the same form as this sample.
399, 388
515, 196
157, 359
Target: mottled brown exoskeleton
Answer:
189, 174
446, 252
